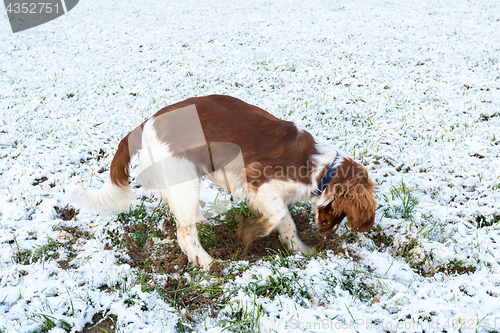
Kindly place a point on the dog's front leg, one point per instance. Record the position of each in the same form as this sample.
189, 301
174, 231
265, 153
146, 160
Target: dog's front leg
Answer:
289, 236
269, 202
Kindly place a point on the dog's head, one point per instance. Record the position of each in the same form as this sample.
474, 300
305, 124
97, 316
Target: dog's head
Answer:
349, 194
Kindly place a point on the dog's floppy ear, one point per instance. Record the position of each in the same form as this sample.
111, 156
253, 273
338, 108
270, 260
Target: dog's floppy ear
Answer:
336, 190
359, 205
352, 192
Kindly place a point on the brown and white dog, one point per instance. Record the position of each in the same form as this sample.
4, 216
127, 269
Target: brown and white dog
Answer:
245, 150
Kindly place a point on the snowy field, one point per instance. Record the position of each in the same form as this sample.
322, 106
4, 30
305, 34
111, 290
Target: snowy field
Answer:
409, 88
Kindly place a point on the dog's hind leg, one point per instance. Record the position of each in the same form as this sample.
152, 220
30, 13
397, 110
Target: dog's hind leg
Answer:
175, 180
182, 193
184, 201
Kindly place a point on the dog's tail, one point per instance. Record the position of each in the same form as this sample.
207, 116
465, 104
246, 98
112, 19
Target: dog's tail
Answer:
115, 195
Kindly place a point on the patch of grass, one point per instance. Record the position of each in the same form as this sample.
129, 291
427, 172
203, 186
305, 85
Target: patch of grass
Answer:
48, 250
355, 284
140, 225
275, 285
399, 203
21, 256
278, 283
456, 267
142, 215
244, 318
285, 280
197, 294
207, 235
413, 254
128, 296
403, 249
48, 322
244, 209
494, 140
201, 289
350, 237
39, 253
424, 263
301, 207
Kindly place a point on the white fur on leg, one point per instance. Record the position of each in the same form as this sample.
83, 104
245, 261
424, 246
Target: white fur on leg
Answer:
184, 202
269, 201
289, 237
110, 198
175, 181
187, 237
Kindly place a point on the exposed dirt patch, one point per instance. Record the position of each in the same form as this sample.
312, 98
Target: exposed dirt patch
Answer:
39, 181
66, 213
381, 240
76, 233
64, 264
168, 259
231, 247
100, 325
222, 243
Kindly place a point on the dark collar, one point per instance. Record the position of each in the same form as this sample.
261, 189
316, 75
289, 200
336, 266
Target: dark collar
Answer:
323, 183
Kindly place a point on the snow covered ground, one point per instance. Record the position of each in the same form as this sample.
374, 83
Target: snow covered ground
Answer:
410, 88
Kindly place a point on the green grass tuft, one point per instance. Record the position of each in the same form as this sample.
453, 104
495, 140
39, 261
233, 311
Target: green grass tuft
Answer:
399, 203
